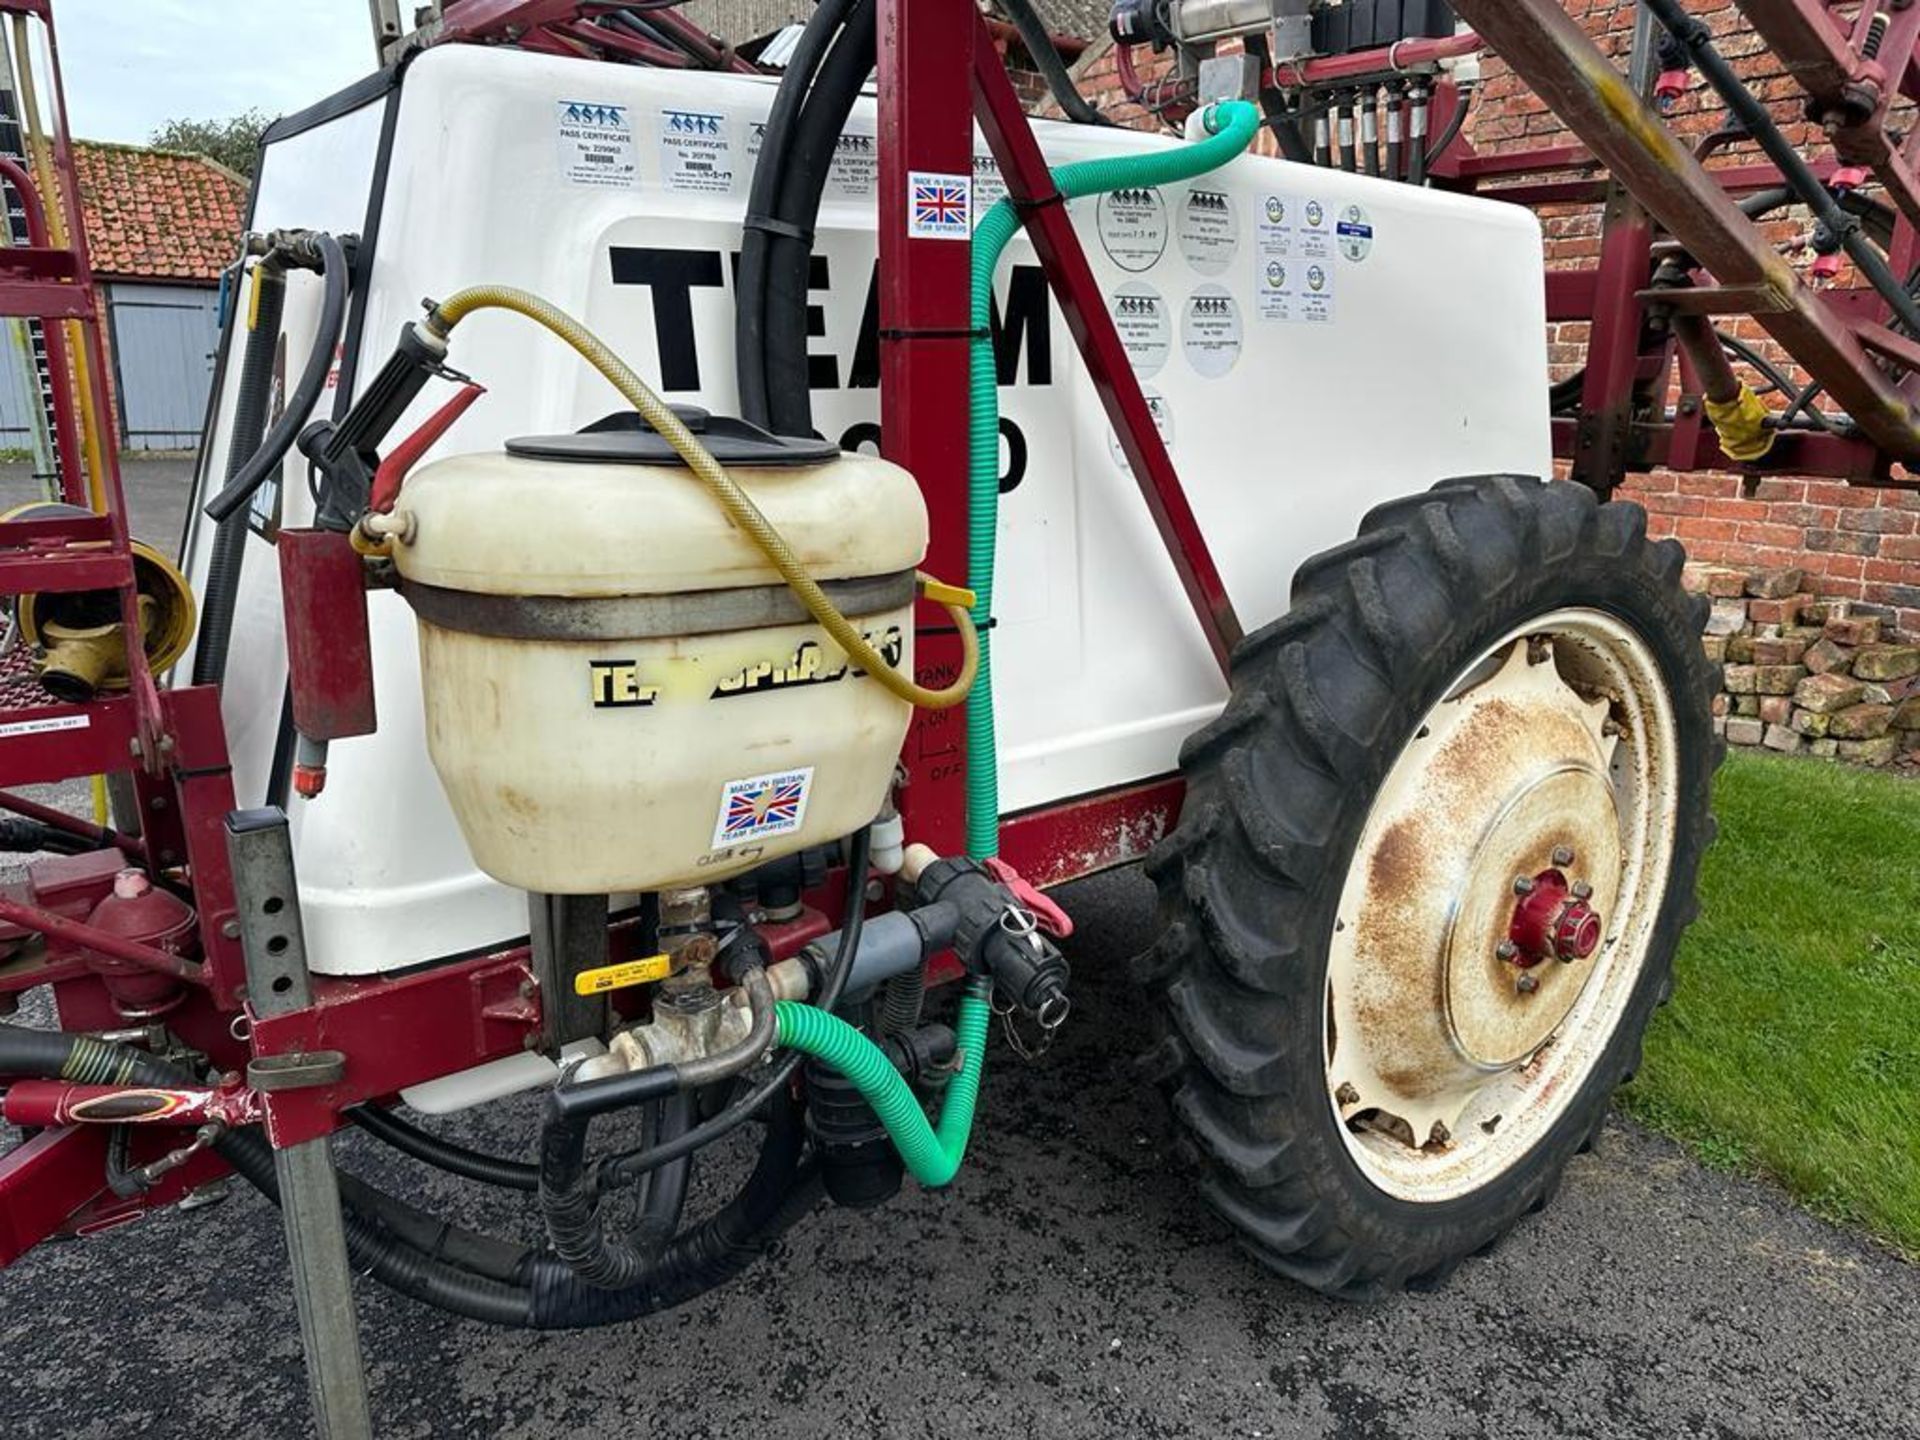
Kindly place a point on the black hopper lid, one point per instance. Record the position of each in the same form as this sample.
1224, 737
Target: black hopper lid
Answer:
624, 438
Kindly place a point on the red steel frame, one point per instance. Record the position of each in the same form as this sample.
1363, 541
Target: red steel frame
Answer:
940, 71
1632, 165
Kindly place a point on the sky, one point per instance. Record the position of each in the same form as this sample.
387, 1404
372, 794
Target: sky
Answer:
131, 65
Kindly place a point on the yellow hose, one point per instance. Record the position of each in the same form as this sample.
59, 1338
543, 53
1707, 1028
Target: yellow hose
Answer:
735, 501
93, 448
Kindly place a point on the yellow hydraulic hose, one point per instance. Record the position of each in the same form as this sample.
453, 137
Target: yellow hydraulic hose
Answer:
51, 201
735, 501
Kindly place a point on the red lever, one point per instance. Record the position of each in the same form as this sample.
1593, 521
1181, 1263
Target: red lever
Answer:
1848, 177
1668, 89
1049, 916
404, 456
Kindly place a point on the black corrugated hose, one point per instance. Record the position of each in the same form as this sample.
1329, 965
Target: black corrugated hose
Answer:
816, 134
750, 285
457, 1270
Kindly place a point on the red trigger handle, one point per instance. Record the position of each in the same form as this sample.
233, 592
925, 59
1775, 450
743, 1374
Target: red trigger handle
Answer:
1050, 917
404, 456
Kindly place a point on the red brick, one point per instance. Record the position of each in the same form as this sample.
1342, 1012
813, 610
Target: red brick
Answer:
1692, 529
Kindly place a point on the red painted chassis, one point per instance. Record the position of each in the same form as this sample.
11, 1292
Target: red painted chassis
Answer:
401, 1030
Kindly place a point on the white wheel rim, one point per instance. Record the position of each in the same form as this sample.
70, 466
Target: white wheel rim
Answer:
1443, 1067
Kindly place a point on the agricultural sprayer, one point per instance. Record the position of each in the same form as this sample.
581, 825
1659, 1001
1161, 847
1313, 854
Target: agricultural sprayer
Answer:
686, 559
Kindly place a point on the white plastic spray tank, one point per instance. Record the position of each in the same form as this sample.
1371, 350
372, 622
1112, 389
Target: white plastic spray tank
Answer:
620, 692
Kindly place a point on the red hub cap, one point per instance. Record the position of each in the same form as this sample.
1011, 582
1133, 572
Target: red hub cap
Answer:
1553, 921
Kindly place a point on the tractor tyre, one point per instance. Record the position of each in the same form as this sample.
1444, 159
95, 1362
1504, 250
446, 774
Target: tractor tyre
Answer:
1433, 862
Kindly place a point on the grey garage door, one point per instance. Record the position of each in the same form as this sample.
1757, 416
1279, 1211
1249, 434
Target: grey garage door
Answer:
164, 337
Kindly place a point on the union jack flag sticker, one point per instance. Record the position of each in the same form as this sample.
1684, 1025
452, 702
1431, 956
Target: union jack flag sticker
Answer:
762, 806
939, 207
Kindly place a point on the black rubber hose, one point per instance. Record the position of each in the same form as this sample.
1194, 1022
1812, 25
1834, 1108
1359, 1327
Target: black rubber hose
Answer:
790, 249
778, 1193
750, 287
306, 394
1452, 132
625, 1169
665, 1189
21, 836
430, 1149
1786, 157
423, 1258
229, 551
1033, 34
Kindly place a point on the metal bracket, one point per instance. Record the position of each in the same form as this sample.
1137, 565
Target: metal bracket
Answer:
268, 899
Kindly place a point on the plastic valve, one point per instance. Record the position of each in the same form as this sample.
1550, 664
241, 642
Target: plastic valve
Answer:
1669, 88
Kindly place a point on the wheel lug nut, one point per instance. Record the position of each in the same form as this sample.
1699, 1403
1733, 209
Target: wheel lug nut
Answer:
1525, 984
1582, 890
1562, 855
1506, 950
1346, 1094
1523, 885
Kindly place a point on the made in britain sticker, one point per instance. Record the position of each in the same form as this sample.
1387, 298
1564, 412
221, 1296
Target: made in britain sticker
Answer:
760, 807
595, 144
939, 206
696, 152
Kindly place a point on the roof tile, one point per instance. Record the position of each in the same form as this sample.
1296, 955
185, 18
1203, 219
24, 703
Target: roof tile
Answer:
158, 212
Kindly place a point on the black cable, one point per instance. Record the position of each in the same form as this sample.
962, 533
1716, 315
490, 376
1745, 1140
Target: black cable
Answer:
306, 394
750, 284
228, 552
430, 1149
1452, 132
1033, 34
1787, 159
620, 1170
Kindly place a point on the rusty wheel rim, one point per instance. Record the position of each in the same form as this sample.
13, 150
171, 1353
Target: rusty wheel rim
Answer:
1500, 905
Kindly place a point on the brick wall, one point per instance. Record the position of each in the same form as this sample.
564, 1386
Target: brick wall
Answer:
1850, 543
1854, 543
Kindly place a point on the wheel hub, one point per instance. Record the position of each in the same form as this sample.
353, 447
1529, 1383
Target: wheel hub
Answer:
1553, 921
1494, 849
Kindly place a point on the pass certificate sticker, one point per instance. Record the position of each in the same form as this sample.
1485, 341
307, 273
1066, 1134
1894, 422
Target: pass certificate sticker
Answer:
1354, 231
1210, 332
762, 806
1146, 330
1300, 292
1209, 229
1162, 414
1133, 226
696, 152
595, 144
856, 166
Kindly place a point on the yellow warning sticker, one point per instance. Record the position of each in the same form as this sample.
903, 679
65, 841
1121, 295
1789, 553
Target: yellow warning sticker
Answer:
623, 975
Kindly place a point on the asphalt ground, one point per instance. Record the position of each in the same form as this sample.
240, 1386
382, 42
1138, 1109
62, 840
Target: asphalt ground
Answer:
1070, 1283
